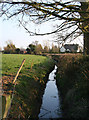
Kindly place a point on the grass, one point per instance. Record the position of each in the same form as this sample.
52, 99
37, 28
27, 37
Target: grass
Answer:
73, 83
30, 83
11, 62
3, 104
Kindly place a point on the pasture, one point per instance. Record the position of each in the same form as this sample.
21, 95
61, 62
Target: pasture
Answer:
29, 85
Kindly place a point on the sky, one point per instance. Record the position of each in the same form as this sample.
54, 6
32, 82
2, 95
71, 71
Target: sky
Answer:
18, 35
10, 30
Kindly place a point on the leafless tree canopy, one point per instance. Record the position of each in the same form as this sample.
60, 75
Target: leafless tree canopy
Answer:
40, 11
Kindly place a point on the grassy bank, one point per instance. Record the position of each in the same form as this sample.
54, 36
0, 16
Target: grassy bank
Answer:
30, 83
73, 84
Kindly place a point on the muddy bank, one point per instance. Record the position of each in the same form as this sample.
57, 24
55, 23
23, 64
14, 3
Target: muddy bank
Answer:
73, 84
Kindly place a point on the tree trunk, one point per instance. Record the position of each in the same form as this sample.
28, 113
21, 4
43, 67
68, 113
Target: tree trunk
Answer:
86, 43
85, 25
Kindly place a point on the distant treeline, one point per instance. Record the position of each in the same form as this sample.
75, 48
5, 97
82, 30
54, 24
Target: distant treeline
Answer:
33, 48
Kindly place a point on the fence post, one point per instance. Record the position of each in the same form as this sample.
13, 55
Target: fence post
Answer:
18, 71
9, 98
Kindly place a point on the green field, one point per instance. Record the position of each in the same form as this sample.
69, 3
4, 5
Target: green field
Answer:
29, 85
11, 62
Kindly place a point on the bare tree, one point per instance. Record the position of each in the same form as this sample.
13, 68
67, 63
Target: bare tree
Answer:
38, 49
10, 47
74, 16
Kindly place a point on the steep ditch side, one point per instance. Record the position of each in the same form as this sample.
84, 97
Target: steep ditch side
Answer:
73, 84
29, 89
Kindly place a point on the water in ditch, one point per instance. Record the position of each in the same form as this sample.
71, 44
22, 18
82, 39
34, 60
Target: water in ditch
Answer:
51, 107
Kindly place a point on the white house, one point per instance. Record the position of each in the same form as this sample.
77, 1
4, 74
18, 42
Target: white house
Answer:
62, 49
71, 48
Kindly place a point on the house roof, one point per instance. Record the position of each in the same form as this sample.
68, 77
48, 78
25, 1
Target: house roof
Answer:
71, 46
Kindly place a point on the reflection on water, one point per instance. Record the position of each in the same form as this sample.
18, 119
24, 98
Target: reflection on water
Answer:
50, 103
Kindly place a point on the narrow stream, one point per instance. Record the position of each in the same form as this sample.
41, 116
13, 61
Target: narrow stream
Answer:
50, 107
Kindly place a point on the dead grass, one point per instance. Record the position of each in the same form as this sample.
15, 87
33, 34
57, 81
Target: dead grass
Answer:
73, 83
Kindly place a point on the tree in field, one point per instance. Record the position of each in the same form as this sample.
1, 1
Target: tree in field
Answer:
17, 51
54, 49
31, 49
71, 16
28, 51
38, 49
46, 49
10, 48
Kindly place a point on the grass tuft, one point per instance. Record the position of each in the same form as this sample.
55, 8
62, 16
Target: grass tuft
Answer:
73, 83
